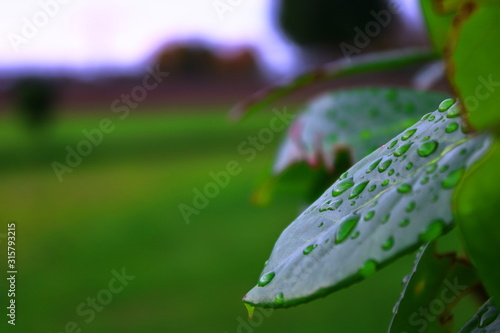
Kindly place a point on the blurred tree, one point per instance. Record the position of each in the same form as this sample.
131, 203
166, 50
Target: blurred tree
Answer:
325, 22
201, 62
35, 99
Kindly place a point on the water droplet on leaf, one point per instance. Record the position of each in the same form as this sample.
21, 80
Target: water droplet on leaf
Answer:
402, 149
368, 269
280, 299
373, 165
453, 112
408, 134
452, 127
453, 178
388, 244
346, 226
369, 215
446, 104
411, 206
434, 230
404, 223
427, 148
384, 166
265, 279
405, 188
342, 186
358, 189
308, 249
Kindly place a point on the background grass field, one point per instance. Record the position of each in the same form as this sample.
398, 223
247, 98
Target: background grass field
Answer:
119, 209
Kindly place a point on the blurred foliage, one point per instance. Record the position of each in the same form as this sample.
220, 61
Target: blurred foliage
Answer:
35, 98
325, 22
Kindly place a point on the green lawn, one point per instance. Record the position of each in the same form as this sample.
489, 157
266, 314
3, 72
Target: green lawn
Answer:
119, 209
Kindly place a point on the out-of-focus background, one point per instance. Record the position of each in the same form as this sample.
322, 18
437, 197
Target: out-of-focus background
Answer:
113, 120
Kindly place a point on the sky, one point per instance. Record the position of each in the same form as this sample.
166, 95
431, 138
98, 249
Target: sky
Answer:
85, 34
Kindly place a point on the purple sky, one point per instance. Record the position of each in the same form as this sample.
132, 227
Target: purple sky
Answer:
84, 34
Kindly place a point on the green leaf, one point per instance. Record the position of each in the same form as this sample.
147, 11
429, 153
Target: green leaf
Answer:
476, 212
486, 320
336, 69
386, 205
435, 285
438, 23
472, 61
359, 120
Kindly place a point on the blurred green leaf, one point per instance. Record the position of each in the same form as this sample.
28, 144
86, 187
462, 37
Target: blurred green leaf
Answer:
435, 285
486, 320
438, 23
388, 204
340, 68
472, 61
476, 211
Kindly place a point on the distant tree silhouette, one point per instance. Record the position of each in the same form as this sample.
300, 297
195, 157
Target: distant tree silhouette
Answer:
35, 98
325, 22
198, 61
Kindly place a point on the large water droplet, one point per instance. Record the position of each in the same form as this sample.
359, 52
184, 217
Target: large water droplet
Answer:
384, 166
372, 188
308, 249
388, 244
405, 188
452, 127
446, 104
355, 235
391, 172
342, 186
402, 149
453, 112
358, 189
344, 175
453, 178
265, 279
424, 180
373, 165
427, 148
369, 215
368, 269
409, 166
434, 230
385, 182
408, 134
346, 226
